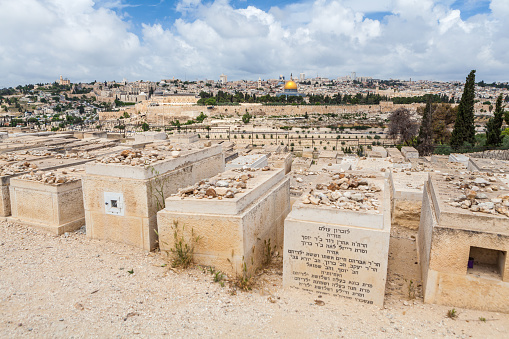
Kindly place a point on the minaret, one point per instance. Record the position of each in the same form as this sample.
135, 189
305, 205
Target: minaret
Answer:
259, 82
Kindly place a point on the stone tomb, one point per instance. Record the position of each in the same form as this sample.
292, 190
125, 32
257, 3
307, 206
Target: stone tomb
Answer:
463, 241
374, 164
461, 158
349, 162
249, 161
407, 189
409, 152
238, 215
395, 155
377, 152
282, 160
184, 138
488, 165
43, 163
122, 197
149, 137
55, 206
340, 248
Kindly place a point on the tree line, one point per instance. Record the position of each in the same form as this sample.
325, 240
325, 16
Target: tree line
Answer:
225, 98
438, 119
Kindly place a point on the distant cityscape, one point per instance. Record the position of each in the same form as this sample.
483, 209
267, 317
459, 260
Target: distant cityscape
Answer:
64, 102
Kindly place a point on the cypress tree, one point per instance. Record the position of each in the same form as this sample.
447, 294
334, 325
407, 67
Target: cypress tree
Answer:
494, 125
464, 129
425, 137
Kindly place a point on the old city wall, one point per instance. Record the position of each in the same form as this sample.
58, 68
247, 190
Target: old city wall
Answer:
155, 114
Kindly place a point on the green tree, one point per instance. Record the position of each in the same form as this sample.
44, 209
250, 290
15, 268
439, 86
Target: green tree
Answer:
464, 129
210, 102
246, 118
201, 117
425, 137
145, 127
176, 123
494, 125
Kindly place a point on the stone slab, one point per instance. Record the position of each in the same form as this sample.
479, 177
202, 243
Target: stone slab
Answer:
409, 152
339, 253
141, 173
249, 161
149, 136
256, 187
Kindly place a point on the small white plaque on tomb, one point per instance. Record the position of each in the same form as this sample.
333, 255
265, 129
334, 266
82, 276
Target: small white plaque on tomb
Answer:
114, 203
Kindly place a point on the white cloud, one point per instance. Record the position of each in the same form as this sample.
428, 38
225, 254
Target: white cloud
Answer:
85, 41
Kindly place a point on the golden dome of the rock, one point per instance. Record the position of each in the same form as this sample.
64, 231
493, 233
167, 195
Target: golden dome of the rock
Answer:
290, 85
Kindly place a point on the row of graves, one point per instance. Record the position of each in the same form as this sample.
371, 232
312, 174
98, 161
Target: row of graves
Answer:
331, 218
337, 234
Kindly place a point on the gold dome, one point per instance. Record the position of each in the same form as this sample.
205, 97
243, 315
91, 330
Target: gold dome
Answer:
290, 85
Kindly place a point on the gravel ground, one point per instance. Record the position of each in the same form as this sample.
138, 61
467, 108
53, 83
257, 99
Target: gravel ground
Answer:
71, 286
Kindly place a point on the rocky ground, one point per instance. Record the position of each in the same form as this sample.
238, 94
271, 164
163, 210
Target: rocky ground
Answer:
71, 286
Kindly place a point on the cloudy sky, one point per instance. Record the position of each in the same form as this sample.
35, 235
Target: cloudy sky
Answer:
86, 40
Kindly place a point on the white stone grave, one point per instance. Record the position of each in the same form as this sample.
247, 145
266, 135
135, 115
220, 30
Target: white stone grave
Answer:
339, 252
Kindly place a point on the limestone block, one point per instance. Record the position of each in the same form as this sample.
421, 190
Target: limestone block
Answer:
183, 138
55, 208
282, 161
336, 252
409, 152
381, 151
243, 229
407, 192
488, 165
448, 239
143, 191
248, 161
5, 201
395, 155
149, 136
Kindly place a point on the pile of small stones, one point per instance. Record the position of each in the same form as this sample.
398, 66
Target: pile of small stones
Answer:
18, 156
474, 197
73, 155
219, 188
136, 157
356, 193
52, 178
16, 168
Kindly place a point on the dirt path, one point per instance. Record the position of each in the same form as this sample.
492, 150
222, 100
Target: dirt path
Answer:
71, 286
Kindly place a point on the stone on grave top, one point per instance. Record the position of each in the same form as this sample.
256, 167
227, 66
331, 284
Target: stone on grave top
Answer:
355, 192
474, 201
227, 193
55, 177
145, 164
488, 165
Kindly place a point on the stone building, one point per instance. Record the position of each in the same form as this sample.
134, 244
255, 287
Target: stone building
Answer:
463, 241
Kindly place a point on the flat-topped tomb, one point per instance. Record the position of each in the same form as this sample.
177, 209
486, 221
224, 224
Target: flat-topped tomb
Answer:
463, 241
337, 239
238, 215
